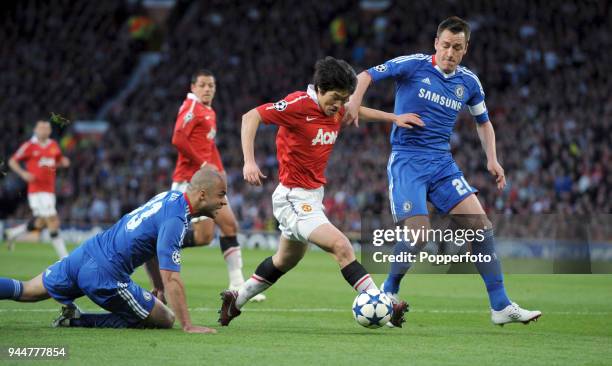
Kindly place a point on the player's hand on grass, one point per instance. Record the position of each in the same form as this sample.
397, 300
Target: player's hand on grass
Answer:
408, 120
351, 116
252, 174
27, 176
498, 172
198, 329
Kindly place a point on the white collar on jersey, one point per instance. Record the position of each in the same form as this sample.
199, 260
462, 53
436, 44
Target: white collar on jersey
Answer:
194, 97
35, 140
445, 74
312, 93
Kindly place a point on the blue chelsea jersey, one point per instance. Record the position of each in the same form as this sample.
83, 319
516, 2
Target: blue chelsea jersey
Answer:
155, 228
423, 88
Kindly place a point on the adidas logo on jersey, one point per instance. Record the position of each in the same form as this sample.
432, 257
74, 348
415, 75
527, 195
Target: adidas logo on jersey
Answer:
325, 138
426, 81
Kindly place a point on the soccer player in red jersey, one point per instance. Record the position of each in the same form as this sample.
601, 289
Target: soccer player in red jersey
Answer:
42, 155
309, 123
194, 138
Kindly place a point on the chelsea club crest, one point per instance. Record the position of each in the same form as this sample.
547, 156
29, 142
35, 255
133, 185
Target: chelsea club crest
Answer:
459, 91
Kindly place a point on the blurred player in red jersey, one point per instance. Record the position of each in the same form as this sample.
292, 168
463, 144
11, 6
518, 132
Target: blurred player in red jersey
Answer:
194, 138
309, 122
42, 155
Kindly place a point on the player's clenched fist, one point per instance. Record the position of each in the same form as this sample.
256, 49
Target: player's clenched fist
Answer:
252, 174
351, 116
498, 172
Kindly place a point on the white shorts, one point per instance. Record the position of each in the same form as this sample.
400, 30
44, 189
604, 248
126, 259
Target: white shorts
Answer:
42, 204
182, 187
299, 211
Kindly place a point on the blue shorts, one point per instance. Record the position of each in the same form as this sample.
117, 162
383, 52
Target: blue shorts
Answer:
415, 178
79, 275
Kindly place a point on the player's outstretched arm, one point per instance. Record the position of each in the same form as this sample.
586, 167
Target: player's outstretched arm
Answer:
250, 123
352, 108
406, 120
175, 291
486, 134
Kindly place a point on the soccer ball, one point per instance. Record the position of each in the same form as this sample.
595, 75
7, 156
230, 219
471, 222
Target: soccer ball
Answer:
372, 309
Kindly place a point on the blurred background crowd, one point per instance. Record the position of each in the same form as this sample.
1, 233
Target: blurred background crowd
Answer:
545, 68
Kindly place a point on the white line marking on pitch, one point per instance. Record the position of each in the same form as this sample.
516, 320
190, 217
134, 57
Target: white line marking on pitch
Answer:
330, 310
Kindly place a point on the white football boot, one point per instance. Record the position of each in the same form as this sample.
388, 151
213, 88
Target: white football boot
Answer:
256, 298
514, 314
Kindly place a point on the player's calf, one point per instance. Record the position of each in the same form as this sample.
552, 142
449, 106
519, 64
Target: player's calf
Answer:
29, 291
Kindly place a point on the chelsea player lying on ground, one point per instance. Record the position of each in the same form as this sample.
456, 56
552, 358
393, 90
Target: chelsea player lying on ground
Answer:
101, 267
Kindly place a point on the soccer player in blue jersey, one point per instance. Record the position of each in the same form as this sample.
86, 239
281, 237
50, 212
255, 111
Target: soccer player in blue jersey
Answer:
101, 267
421, 167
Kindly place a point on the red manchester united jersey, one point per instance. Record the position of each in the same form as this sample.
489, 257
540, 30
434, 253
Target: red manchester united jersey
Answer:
304, 140
196, 123
41, 161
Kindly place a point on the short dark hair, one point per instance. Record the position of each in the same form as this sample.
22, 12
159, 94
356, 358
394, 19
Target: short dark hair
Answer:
455, 25
200, 72
334, 74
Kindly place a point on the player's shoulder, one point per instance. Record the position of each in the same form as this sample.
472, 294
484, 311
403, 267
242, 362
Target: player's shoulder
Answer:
26, 144
412, 58
176, 204
469, 75
24, 147
293, 100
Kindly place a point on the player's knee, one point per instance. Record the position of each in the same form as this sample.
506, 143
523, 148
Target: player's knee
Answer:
161, 317
168, 320
479, 222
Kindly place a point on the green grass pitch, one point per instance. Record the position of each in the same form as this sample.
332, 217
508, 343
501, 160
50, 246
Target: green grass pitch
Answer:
307, 320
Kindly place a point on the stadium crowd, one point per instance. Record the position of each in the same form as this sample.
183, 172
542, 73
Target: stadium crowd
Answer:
545, 70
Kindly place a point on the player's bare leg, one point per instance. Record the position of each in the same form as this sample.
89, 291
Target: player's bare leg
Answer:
230, 248
288, 255
333, 241
202, 233
470, 215
27, 291
160, 317
11, 234
53, 225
